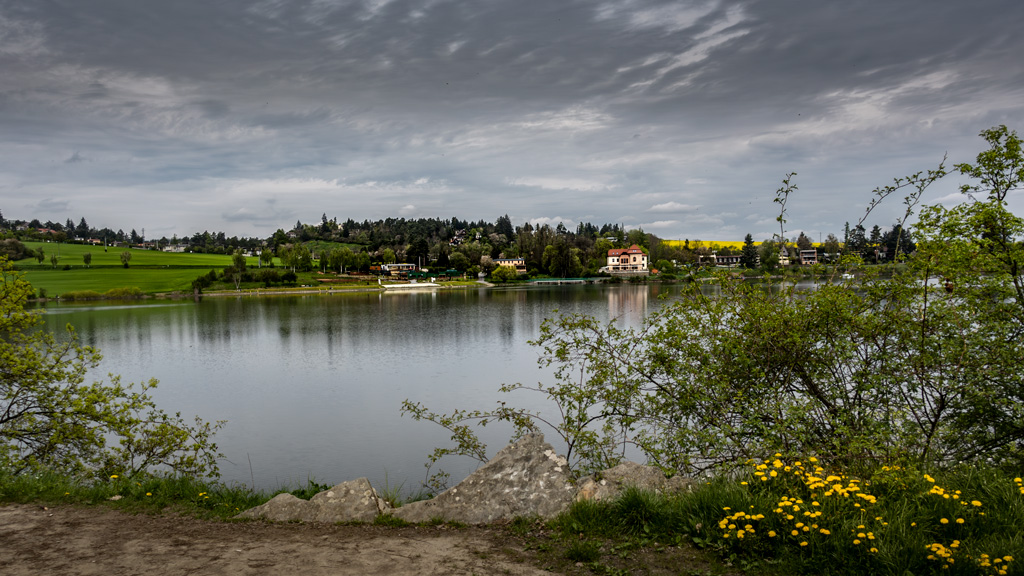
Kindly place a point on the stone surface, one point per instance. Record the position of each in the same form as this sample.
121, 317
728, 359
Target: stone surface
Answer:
355, 500
608, 484
524, 479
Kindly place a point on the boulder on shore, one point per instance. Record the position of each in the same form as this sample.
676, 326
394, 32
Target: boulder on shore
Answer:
526, 478
607, 485
352, 501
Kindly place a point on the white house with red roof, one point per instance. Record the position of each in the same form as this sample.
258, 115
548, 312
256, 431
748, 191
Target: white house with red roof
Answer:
630, 261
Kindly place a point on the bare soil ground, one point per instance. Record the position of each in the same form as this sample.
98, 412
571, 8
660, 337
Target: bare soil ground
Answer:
96, 540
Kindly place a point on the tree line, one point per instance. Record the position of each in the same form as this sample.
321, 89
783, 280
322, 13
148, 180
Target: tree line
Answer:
467, 246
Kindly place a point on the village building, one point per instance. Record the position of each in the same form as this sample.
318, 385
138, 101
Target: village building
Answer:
630, 261
519, 264
808, 257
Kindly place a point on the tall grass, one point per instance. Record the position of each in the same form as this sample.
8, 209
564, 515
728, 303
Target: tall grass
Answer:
141, 494
805, 519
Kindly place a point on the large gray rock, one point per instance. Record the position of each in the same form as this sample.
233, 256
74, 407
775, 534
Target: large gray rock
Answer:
610, 483
524, 479
351, 501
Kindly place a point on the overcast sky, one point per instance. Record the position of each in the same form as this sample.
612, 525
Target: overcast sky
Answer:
678, 117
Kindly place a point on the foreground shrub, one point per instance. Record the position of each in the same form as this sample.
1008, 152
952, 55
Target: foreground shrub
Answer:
51, 419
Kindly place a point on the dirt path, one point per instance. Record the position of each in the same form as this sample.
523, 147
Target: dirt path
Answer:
95, 540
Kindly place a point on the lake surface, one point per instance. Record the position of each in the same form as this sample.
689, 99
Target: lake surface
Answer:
311, 386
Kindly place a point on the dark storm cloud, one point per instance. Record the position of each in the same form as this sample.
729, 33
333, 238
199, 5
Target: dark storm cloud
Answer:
677, 116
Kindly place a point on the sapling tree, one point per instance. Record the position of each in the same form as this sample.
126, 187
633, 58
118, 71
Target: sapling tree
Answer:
51, 418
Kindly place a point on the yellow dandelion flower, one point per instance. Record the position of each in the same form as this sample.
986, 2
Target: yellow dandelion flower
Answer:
959, 520
149, 493
771, 533
113, 477
856, 542
975, 503
804, 543
795, 533
944, 521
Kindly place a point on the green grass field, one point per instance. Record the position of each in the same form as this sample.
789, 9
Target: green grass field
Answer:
148, 270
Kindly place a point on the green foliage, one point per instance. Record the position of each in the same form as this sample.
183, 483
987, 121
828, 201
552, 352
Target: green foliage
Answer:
920, 365
50, 418
504, 274
126, 257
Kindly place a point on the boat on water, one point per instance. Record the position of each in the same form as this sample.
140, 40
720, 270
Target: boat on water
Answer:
410, 286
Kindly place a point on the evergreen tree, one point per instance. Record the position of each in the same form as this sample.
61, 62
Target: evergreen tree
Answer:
748, 258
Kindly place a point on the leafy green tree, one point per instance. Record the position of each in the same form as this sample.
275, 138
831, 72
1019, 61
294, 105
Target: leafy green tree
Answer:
458, 261
40, 255
418, 252
920, 364
831, 247
266, 257
51, 419
561, 259
237, 268
126, 257
87, 259
296, 257
504, 274
769, 254
387, 256
53, 260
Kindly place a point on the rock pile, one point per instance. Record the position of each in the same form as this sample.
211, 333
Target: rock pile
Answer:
526, 478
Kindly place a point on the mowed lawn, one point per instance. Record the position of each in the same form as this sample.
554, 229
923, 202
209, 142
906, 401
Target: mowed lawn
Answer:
148, 270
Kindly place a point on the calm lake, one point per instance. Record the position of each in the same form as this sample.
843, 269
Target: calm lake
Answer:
311, 386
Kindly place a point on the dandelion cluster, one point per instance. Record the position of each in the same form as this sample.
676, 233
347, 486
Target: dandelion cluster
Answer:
997, 564
941, 553
832, 511
731, 524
